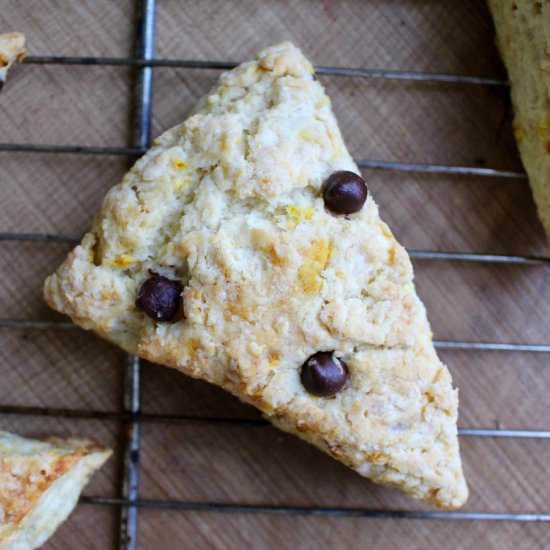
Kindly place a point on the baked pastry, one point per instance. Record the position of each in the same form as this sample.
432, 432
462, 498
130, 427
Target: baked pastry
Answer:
523, 33
244, 249
12, 49
40, 482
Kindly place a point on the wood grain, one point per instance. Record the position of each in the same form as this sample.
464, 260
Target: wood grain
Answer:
384, 120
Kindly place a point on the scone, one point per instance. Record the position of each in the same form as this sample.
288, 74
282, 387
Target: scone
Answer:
12, 49
40, 482
244, 249
523, 32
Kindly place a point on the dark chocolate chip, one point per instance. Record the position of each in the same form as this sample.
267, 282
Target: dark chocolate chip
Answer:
323, 374
161, 298
344, 192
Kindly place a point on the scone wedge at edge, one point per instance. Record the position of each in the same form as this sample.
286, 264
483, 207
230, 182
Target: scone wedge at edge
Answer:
229, 205
40, 483
523, 36
12, 49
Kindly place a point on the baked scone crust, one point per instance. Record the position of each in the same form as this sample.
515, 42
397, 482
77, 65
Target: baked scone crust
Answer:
40, 482
229, 203
12, 49
523, 33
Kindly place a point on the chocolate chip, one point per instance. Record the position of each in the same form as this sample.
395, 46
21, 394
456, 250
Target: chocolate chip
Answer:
344, 192
160, 298
323, 374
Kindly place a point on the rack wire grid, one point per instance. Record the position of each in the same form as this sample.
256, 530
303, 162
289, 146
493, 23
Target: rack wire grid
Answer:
129, 501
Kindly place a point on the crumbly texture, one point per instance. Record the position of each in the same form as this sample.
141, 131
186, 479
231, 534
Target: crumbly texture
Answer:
230, 203
523, 32
12, 49
40, 482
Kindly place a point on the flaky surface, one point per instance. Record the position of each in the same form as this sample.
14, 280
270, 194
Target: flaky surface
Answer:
40, 482
523, 31
12, 49
230, 203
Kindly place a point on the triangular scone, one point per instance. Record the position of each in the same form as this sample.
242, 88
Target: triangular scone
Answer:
230, 205
40, 482
12, 49
523, 31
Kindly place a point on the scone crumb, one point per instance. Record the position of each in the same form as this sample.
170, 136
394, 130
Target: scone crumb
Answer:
225, 143
323, 102
316, 260
192, 346
254, 349
307, 135
180, 183
123, 261
543, 131
519, 133
274, 358
392, 252
276, 259
377, 457
386, 231
297, 214
264, 242
109, 295
179, 164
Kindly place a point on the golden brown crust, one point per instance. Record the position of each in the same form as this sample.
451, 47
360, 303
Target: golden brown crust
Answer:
30, 470
12, 50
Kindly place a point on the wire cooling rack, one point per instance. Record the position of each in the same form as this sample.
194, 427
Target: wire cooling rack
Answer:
129, 501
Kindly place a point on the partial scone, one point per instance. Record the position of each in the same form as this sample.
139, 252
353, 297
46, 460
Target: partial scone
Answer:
40, 482
523, 32
242, 208
12, 49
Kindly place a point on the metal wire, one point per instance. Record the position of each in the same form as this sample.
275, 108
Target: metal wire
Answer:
131, 456
144, 63
477, 257
143, 106
71, 149
225, 65
371, 164
344, 512
424, 168
37, 237
80, 414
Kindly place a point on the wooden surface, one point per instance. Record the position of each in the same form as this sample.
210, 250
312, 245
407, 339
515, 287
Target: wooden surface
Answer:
381, 120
